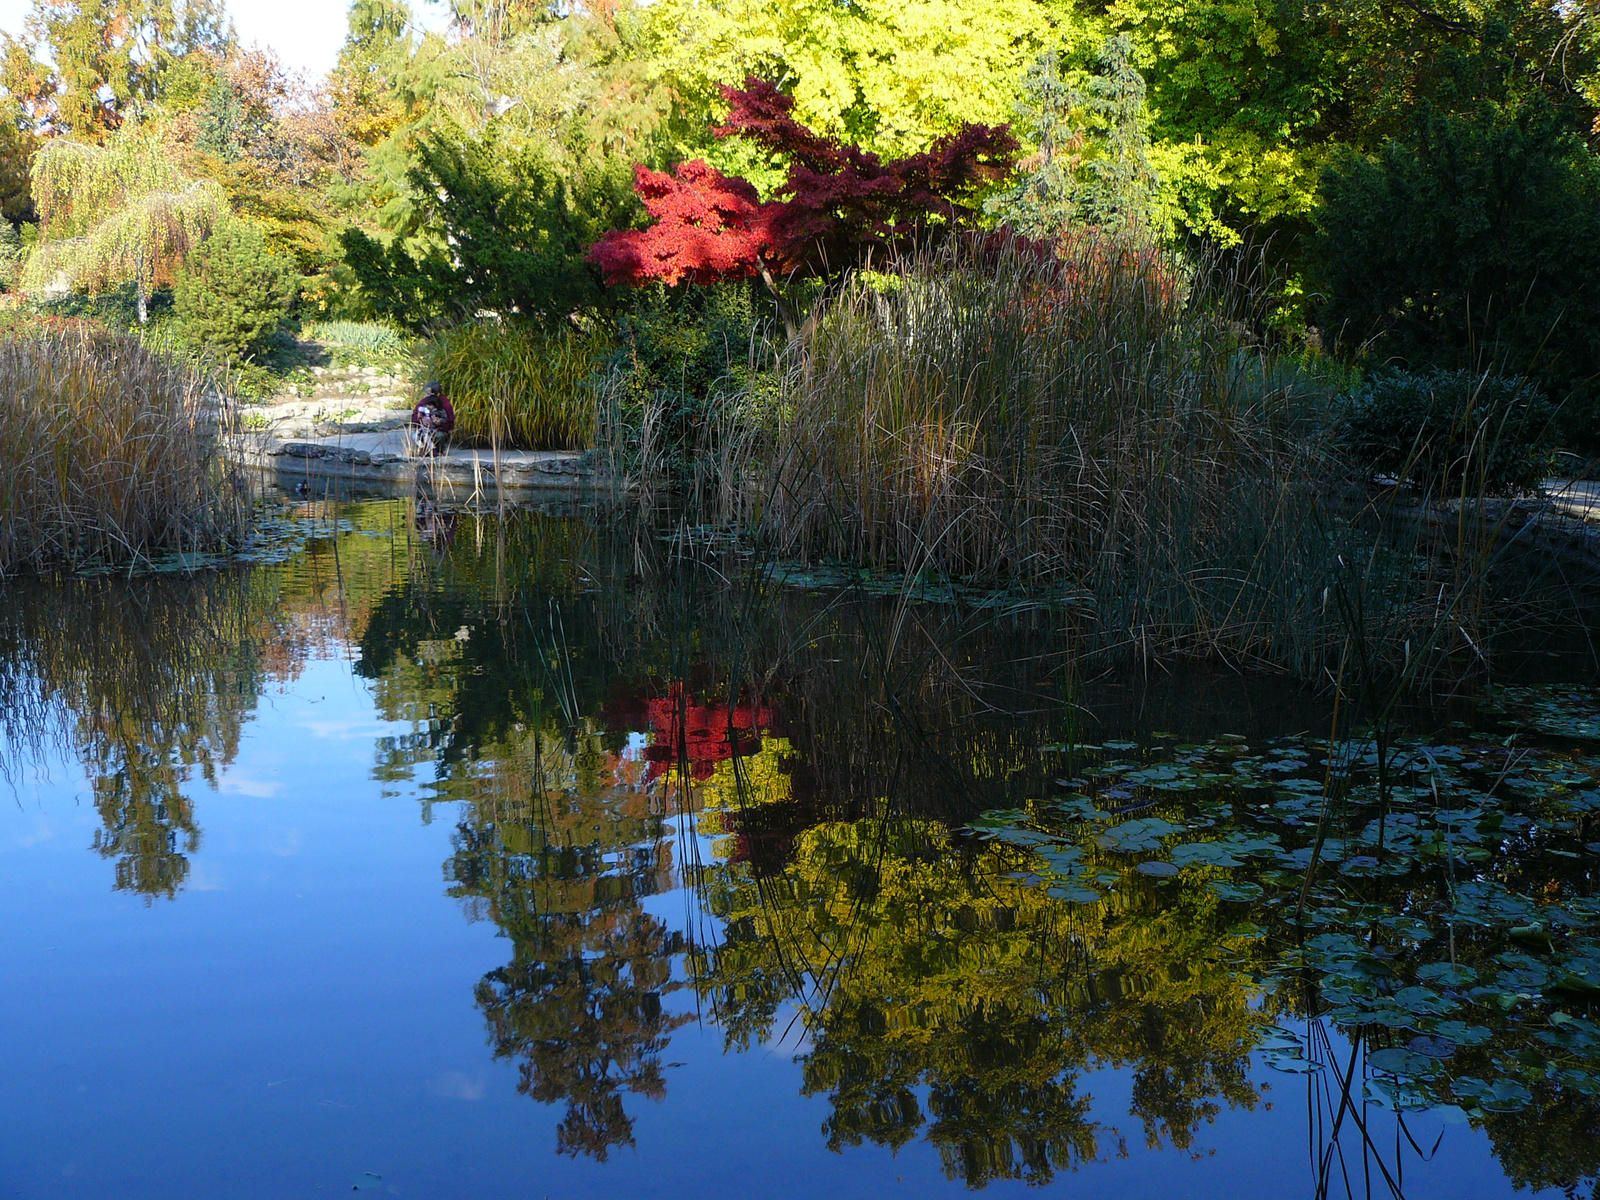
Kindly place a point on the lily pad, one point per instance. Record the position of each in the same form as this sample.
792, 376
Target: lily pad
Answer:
1073, 894
1503, 1095
1430, 1046
1237, 892
1136, 836
1447, 974
1396, 1061
1157, 869
1398, 1095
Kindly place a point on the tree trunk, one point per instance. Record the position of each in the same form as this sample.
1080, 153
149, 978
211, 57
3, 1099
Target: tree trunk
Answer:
139, 289
785, 314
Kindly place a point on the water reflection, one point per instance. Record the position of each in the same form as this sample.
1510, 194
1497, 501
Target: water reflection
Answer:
148, 684
559, 847
616, 734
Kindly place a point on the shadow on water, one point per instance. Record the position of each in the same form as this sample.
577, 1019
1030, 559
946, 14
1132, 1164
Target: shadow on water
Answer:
917, 845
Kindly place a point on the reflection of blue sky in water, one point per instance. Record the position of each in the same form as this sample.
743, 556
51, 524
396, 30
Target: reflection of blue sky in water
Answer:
303, 1014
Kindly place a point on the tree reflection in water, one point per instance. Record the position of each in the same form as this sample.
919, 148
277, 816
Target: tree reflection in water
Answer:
147, 682
559, 847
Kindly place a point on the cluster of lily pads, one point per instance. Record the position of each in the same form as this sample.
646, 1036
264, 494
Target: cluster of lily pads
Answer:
1441, 912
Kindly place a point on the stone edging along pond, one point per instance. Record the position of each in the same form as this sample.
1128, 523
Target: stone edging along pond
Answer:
349, 458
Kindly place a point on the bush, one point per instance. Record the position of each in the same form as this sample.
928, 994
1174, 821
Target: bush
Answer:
1471, 242
505, 229
523, 387
682, 352
234, 292
1441, 430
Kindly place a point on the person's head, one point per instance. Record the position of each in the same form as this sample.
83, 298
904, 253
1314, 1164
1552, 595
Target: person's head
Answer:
432, 391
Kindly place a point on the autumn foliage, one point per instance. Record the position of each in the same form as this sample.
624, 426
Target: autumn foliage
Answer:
837, 206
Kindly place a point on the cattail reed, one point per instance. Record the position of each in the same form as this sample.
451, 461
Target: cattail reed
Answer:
111, 454
1096, 425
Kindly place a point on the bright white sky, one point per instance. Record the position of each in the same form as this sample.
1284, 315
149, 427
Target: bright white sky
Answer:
305, 33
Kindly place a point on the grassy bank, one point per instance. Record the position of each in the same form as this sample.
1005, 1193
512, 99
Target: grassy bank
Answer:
111, 454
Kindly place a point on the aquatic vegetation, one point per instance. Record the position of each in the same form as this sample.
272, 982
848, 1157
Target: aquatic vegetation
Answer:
1447, 921
112, 454
1098, 432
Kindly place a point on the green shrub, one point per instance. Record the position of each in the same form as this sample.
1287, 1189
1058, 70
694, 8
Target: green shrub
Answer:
1442, 429
681, 354
1471, 241
520, 386
505, 228
234, 292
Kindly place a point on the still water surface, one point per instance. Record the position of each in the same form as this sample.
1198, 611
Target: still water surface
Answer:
439, 859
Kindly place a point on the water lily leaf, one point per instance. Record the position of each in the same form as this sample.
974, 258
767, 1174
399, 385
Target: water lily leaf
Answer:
1533, 934
1205, 854
1290, 1064
1236, 892
1503, 1095
1157, 870
1276, 1037
1461, 1033
1424, 1002
1062, 858
1447, 974
1304, 787
1018, 836
1073, 894
1574, 983
1430, 1046
1395, 1061
1397, 1095
1136, 836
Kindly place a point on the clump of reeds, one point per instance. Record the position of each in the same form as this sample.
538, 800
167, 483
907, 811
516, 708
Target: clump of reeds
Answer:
1091, 422
517, 387
109, 453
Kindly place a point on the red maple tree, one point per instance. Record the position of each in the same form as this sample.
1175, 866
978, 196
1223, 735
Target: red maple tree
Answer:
839, 204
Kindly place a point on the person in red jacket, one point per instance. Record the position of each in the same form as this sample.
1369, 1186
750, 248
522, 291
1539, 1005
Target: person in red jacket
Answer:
431, 420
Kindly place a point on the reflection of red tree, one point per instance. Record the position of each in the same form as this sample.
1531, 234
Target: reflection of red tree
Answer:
701, 735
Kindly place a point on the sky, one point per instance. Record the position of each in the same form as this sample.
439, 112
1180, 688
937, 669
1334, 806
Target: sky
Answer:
305, 33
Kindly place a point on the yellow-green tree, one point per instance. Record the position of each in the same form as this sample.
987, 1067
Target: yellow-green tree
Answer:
116, 213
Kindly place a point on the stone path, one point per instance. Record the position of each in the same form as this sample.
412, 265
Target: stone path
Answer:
1575, 497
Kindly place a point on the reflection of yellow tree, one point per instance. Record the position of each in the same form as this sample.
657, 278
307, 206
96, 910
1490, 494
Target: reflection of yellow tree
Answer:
558, 846
926, 964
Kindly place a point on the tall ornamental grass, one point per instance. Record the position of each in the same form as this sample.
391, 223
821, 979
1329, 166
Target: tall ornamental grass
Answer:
368, 336
111, 453
516, 387
1092, 424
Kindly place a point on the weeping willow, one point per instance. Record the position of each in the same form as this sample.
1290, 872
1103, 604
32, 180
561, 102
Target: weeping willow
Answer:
113, 213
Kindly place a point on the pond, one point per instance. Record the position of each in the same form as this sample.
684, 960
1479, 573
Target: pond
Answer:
445, 854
